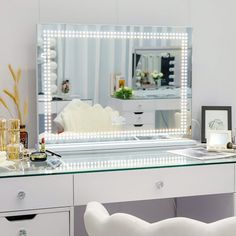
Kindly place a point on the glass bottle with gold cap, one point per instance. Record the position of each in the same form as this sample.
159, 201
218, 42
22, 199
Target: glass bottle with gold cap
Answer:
13, 146
3, 134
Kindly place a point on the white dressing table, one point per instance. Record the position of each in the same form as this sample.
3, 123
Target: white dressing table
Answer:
38, 200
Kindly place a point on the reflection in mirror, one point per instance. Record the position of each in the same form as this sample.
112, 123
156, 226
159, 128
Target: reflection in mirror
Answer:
104, 81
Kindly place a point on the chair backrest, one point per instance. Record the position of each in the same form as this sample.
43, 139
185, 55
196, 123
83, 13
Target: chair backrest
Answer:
79, 116
98, 222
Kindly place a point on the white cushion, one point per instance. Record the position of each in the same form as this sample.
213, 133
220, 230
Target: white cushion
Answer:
98, 222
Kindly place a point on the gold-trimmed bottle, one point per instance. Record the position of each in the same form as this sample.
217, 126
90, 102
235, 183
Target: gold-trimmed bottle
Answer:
3, 134
14, 131
13, 145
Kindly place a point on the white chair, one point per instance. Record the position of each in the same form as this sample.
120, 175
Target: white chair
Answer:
79, 116
98, 222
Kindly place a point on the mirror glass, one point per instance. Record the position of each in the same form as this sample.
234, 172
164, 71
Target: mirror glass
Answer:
107, 81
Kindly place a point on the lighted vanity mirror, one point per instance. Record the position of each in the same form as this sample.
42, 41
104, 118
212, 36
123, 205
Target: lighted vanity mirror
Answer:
107, 82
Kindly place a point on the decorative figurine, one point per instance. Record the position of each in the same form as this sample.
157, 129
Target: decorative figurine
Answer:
65, 86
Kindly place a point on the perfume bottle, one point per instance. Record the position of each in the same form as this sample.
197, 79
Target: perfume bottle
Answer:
23, 136
14, 131
3, 134
13, 146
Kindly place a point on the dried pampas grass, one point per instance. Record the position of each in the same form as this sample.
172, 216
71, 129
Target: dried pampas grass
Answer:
15, 96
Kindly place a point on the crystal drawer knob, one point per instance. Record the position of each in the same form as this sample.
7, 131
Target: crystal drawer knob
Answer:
22, 232
159, 184
21, 195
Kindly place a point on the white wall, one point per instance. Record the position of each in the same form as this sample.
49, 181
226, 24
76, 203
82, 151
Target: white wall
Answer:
214, 37
214, 50
214, 47
18, 39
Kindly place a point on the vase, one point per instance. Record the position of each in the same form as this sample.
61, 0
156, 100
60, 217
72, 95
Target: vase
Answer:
158, 83
23, 136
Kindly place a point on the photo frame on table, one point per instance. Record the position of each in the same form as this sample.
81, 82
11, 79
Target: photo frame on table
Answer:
215, 118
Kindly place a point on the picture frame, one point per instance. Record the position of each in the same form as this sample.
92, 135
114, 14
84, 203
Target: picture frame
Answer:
217, 140
215, 118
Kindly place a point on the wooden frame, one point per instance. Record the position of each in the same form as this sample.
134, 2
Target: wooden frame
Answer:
215, 118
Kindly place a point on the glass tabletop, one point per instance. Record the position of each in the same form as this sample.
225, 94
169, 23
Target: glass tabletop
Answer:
110, 161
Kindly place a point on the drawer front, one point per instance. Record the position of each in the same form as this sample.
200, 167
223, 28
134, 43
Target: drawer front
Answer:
133, 105
36, 192
151, 104
235, 182
134, 185
139, 126
139, 105
42, 224
139, 117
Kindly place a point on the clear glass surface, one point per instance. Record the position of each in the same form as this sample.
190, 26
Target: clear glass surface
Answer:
106, 161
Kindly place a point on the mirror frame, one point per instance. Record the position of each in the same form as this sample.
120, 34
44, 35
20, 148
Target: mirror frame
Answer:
48, 35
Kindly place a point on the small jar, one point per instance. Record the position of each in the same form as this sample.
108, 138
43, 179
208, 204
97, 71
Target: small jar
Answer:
13, 151
3, 134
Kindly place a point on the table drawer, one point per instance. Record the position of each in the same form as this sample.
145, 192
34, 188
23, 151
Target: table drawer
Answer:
134, 185
139, 126
36, 192
133, 104
139, 117
138, 105
46, 224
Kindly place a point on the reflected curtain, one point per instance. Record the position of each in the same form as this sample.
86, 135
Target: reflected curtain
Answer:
90, 63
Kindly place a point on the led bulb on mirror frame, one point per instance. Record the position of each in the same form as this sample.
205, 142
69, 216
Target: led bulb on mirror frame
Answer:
54, 88
52, 42
53, 77
51, 54
40, 42
53, 65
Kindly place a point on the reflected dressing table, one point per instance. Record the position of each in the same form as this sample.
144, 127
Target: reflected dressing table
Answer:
140, 111
35, 194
